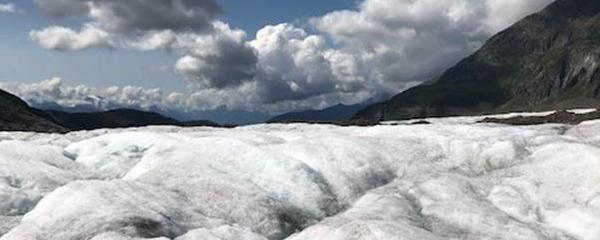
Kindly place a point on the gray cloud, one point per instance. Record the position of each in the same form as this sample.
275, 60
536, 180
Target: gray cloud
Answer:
63, 8
138, 24
138, 15
219, 60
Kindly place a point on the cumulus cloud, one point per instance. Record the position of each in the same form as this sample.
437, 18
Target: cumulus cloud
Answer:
292, 64
382, 46
219, 60
8, 8
284, 65
66, 39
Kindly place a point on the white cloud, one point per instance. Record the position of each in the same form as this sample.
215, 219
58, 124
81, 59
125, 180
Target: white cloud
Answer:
8, 8
66, 39
154, 40
283, 66
292, 64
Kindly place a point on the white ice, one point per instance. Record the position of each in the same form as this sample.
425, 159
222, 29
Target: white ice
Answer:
454, 179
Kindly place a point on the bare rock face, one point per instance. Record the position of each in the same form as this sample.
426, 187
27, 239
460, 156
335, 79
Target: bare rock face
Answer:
549, 60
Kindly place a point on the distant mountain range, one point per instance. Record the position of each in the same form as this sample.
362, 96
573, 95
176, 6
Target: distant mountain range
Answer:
549, 60
118, 118
17, 115
221, 116
336, 113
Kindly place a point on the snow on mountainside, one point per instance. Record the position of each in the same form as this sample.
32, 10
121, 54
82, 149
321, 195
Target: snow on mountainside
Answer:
453, 179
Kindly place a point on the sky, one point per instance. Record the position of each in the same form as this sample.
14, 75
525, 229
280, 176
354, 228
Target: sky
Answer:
266, 57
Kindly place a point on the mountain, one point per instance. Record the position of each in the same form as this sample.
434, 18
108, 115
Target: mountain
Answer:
119, 118
336, 113
220, 115
549, 60
16, 115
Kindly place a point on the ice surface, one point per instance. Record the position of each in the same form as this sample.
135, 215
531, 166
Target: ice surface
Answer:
222, 233
454, 179
85, 209
113, 155
28, 172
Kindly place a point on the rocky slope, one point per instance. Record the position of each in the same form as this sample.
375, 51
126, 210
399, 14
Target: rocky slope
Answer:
549, 60
16, 115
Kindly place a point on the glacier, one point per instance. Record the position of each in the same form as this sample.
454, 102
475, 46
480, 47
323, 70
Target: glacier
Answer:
452, 179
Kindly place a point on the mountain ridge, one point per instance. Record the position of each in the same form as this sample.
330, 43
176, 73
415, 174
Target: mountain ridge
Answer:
337, 113
548, 60
16, 115
119, 118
